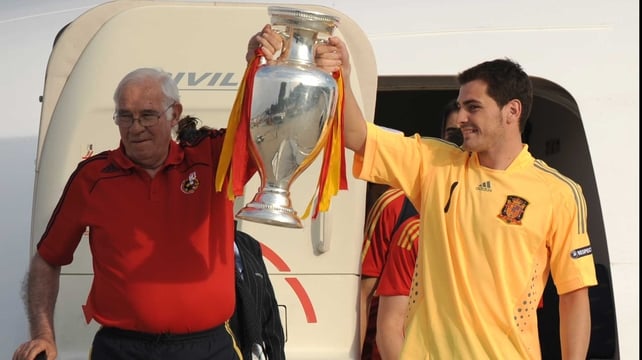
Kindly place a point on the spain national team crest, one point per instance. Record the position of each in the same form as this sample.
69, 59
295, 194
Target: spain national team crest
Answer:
189, 185
513, 210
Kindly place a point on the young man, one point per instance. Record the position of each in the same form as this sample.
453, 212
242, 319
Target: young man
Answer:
496, 222
161, 237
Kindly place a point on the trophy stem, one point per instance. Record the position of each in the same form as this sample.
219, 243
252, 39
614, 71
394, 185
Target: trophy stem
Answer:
271, 206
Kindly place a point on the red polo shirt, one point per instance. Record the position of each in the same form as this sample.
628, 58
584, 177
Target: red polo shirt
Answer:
161, 247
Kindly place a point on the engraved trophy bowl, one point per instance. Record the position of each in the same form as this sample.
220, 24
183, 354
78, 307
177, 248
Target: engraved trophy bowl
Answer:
292, 104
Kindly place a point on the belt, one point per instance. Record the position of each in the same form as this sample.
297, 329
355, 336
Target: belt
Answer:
162, 337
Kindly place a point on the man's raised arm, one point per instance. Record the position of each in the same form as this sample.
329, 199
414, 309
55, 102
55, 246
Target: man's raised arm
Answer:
331, 58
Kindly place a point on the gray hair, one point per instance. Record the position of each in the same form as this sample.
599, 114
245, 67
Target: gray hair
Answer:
169, 87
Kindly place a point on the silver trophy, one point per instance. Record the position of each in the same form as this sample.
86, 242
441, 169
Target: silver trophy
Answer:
292, 103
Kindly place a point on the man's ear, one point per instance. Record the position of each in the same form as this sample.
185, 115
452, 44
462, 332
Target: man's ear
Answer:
177, 110
513, 110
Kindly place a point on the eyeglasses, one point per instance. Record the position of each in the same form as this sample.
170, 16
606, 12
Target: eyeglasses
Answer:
147, 118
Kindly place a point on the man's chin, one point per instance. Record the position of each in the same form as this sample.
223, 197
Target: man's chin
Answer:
139, 149
139, 156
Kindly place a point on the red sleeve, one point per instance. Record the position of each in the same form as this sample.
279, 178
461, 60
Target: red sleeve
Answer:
396, 278
65, 228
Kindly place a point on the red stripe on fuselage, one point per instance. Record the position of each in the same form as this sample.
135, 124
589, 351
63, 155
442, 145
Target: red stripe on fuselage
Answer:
300, 292
296, 285
274, 258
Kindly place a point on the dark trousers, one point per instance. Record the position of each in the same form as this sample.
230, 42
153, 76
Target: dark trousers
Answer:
118, 344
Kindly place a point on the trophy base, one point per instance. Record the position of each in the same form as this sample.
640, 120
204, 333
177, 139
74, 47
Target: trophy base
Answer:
271, 206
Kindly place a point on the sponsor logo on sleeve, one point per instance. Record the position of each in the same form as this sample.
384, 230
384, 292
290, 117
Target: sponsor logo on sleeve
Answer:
583, 251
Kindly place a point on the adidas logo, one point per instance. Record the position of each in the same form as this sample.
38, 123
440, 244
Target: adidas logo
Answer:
485, 186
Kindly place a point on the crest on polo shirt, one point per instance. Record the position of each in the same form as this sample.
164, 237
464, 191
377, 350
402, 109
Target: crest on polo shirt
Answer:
189, 185
513, 210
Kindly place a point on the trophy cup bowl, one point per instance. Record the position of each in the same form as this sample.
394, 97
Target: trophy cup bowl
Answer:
292, 104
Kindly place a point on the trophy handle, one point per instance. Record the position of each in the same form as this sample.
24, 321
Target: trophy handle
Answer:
285, 37
320, 41
282, 31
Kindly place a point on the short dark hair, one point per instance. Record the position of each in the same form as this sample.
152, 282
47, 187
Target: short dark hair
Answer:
506, 81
